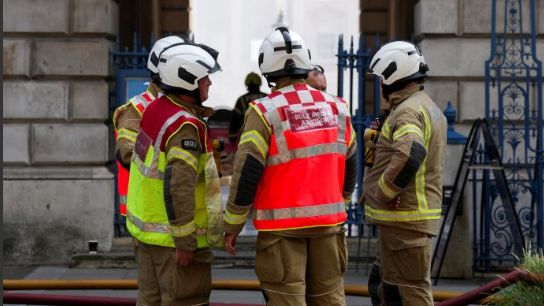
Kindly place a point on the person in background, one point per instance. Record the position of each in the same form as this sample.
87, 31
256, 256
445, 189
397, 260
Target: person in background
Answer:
253, 84
316, 78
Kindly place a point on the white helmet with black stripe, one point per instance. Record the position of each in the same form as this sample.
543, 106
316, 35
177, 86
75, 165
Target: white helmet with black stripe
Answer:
182, 65
398, 62
158, 47
283, 53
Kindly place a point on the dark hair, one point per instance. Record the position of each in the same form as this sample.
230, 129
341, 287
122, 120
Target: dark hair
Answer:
318, 69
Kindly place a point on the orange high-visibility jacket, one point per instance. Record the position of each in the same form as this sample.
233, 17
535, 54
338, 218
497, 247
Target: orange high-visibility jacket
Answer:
302, 182
140, 103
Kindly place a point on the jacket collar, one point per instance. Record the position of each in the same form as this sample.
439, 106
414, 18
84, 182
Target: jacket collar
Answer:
399, 96
153, 89
195, 110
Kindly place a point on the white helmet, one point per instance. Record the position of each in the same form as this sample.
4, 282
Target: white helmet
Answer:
181, 66
398, 62
283, 53
158, 47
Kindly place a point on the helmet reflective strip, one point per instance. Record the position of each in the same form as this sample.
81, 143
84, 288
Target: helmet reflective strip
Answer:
285, 48
287, 37
389, 70
186, 75
154, 59
204, 65
372, 67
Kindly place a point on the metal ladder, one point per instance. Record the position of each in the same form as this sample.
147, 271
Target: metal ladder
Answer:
480, 127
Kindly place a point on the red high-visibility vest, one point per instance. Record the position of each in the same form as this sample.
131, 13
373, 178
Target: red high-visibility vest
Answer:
140, 103
304, 174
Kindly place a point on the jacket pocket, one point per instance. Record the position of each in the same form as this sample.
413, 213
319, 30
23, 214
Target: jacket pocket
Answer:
409, 252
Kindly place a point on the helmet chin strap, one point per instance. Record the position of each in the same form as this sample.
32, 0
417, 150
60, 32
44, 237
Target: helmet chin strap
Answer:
268, 81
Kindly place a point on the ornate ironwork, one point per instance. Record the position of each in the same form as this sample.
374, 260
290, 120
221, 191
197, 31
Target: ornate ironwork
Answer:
515, 74
357, 61
131, 59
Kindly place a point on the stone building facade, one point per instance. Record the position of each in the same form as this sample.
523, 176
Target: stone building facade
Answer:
57, 180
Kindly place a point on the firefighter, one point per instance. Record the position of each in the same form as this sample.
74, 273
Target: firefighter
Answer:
253, 84
402, 191
316, 78
295, 168
126, 119
174, 208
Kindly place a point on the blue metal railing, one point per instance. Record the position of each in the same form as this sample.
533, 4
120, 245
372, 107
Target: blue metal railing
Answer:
515, 74
358, 61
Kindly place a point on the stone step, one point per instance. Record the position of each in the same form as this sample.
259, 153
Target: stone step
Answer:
122, 255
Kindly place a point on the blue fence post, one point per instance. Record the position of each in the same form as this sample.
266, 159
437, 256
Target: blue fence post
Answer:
453, 136
357, 61
351, 65
341, 65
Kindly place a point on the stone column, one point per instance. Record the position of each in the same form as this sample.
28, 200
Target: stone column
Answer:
58, 191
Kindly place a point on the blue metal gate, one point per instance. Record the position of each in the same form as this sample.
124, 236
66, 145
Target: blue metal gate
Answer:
358, 62
514, 75
131, 75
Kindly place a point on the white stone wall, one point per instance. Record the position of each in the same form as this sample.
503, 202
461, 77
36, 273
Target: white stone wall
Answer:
57, 189
454, 36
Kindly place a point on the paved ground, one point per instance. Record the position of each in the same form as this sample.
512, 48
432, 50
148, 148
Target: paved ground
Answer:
218, 296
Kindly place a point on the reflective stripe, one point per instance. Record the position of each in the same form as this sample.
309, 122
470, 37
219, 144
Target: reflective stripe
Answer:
402, 215
148, 96
386, 130
420, 175
174, 230
321, 149
258, 111
139, 99
183, 230
407, 129
341, 118
123, 199
152, 170
299, 212
281, 142
147, 171
158, 141
128, 134
273, 117
257, 139
390, 193
187, 157
235, 219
